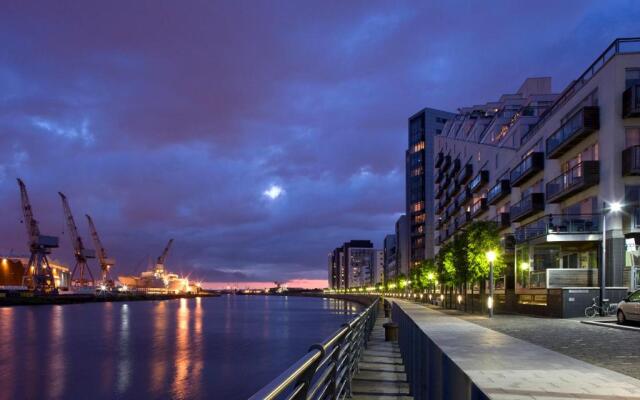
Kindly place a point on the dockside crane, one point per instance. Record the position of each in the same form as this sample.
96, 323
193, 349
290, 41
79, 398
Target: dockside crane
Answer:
106, 263
38, 275
80, 253
160, 261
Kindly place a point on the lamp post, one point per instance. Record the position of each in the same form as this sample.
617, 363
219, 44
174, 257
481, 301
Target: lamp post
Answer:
491, 257
614, 208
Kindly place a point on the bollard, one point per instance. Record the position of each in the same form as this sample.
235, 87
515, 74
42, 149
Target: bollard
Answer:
390, 332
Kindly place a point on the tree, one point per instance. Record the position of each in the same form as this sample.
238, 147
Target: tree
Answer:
482, 237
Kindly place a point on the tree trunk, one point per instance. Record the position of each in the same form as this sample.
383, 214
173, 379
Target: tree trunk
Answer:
482, 290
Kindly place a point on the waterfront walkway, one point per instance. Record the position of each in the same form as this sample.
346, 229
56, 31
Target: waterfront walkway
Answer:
381, 373
504, 367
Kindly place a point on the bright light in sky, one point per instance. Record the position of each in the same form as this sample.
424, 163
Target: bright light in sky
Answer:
273, 192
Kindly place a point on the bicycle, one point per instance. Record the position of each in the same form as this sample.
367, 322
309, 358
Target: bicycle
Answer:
594, 309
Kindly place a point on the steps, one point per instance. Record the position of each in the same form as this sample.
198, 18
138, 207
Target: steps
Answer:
381, 373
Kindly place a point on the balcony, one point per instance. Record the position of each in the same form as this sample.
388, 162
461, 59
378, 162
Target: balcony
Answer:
631, 161
464, 174
580, 125
446, 164
502, 220
463, 198
439, 159
531, 165
440, 191
631, 102
439, 177
581, 177
478, 207
479, 181
451, 210
455, 169
528, 206
499, 191
453, 189
561, 227
440, 206
462, 219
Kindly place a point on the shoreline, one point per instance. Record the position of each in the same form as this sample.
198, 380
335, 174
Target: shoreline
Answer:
33, 300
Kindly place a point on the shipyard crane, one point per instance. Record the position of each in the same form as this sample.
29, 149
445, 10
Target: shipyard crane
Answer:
80, 253
38, 275
160, 261
106, 263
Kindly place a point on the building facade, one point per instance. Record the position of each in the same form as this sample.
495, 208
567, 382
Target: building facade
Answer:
403, 246
390, 257
424, 126
545, 167
355, 264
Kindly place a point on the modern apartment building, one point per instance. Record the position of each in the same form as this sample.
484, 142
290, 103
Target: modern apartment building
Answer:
544, 167
355, 264
424, 126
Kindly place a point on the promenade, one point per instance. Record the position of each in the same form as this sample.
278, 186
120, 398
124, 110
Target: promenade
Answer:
461, 358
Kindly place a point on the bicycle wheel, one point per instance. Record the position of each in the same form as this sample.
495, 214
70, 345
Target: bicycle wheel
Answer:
590, 312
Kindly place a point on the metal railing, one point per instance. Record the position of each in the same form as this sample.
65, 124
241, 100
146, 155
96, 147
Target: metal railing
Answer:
559, 224
325, 372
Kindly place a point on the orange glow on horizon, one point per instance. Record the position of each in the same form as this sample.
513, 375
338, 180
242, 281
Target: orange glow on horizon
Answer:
293, 283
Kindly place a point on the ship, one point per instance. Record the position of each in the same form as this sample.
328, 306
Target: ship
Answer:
158, 279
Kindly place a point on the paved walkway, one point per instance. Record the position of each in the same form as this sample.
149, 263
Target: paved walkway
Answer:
381, 375
504, 367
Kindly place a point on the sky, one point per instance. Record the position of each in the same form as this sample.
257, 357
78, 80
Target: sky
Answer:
258, 134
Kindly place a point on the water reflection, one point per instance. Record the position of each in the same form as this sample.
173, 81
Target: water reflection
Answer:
182, 358
124, 363
159, 340
57, 362
196, 348
7, 351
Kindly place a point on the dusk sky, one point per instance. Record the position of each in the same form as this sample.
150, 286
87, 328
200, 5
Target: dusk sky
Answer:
166, 119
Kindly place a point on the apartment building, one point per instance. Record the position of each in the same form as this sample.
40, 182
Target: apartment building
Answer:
355, 264
544, 167
390, 248
424, 126
403, 247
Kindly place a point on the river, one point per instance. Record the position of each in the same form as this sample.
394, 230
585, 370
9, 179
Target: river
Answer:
217, 348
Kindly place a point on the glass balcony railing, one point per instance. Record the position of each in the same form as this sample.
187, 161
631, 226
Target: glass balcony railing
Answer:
478, 207
479, 181
529, 166
559, 224
631, 161
529, 205
439, 159
576, 179
631, 102
463, 198
499, 191
581, 124
465, 174
502, 220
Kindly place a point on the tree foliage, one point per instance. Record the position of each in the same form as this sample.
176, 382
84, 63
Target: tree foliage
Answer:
482, 237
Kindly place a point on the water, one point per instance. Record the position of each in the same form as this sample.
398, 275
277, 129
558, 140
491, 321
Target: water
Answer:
216, 348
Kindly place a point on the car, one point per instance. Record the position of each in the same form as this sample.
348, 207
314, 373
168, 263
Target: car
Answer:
629, 308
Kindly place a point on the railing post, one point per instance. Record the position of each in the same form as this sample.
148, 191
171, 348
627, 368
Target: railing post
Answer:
334, 391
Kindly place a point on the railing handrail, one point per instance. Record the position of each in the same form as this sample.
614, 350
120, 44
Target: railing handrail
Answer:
308, 376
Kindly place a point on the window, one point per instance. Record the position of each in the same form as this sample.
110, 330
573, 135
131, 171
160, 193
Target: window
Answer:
632, 77
632, 136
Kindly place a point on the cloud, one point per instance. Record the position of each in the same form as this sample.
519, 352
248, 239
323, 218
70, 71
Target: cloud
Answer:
165, 120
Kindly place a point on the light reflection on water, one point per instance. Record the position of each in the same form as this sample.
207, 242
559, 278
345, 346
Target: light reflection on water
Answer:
219, 348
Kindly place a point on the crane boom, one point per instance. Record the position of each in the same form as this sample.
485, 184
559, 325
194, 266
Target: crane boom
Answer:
105, 262
163, 256
80, 252
38, 275
33, 231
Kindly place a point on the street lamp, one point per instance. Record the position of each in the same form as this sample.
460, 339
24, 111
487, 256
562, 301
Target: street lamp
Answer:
614, 207
525, 267
491, 257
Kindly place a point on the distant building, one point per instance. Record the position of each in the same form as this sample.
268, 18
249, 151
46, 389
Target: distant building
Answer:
424, 127
403, 246
390, 255
355, 264
378, 270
